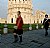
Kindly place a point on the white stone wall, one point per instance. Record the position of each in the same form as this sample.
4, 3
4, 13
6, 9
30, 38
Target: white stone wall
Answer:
2, 20
26, 12
39, 16
24, 6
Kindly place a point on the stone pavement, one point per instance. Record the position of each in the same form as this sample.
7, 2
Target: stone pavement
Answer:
31, 39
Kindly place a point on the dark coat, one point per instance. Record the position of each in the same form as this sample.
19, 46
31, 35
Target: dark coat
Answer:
45, 23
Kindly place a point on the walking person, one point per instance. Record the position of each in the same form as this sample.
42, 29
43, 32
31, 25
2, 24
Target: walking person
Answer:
46, 24
19, 31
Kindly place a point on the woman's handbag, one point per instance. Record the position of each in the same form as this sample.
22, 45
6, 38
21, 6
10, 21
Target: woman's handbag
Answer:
15, 27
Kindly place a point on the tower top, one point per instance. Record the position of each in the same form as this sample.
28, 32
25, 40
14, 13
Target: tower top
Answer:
20, 1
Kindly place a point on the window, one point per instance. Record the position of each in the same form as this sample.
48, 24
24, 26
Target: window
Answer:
15, 0
9, 0
34, 21
15, 16
12, 0
41, 21
23, 0
12, 20
19, 0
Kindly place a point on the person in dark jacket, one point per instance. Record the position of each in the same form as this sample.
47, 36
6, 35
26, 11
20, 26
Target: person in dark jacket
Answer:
46, 24
19, 24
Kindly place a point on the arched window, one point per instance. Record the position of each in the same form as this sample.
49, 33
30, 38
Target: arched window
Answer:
12, 0
12, 20
41, 21
15, 0
9, 0
34, 21
23, 0
19, 0
37, 21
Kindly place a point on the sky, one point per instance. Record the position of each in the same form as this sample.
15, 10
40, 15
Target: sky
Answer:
3, 8
41, 5
37, 5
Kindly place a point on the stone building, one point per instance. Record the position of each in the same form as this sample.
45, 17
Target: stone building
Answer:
39, 16
25, 6
2, 20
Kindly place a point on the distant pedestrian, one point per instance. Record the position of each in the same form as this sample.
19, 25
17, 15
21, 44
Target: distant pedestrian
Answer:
19, 31
46, 24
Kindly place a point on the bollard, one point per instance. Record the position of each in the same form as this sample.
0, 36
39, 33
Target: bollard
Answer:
15, 27
0, 34
5, 28
30, 28
37, 26
42, 26
49, 26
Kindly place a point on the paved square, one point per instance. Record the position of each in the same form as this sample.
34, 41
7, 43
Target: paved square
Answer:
31, 39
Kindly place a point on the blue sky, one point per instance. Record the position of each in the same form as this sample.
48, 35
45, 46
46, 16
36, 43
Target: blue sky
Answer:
42, 5
37, 5
3, 8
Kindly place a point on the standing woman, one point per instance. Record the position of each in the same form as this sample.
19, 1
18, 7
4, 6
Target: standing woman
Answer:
19, 24
46, 24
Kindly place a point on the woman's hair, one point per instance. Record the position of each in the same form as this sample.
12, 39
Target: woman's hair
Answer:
19, 12
46, 15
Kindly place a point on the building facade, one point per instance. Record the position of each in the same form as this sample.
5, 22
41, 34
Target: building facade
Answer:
24, 6
39, 16
2, 20
26, 9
